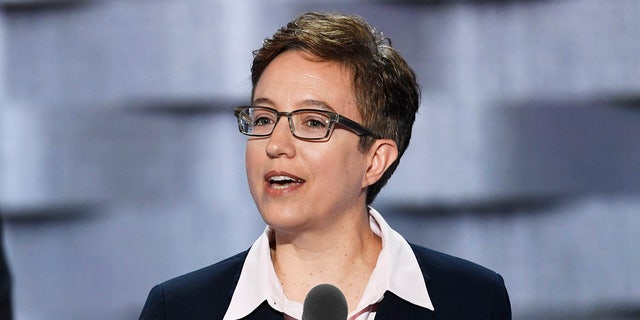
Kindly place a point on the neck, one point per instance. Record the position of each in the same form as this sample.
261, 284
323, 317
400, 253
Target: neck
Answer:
343, 256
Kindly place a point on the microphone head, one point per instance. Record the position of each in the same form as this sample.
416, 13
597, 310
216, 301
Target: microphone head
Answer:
325, 302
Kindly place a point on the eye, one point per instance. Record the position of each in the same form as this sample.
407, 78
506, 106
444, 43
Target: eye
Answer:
314, 120
262, 118
315, 123
262, 121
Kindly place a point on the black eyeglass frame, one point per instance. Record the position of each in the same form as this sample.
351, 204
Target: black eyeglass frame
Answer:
334, 118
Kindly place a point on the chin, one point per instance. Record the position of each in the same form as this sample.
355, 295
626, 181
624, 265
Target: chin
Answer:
281, 218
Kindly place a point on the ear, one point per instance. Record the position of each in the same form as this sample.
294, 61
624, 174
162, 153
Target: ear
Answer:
382, 154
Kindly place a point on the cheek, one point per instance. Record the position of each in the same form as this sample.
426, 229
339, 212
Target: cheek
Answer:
252, 161
339, 169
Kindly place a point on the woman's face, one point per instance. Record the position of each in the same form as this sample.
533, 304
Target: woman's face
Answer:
301, 185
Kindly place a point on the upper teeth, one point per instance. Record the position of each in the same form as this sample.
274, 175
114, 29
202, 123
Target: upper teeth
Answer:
281, 178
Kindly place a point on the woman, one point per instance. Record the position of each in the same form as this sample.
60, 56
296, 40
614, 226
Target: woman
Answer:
331, 113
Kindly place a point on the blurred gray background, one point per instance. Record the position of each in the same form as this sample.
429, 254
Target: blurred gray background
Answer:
121, 165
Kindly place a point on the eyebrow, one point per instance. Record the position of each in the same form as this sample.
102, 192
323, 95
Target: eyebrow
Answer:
307, 103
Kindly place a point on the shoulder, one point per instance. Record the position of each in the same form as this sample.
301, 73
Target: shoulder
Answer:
436, 263
223, 272
206, 291
457, 283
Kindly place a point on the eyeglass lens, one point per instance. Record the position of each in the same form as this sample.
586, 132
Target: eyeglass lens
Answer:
305, 124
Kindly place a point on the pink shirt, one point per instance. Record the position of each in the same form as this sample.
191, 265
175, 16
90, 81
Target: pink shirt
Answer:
396, 270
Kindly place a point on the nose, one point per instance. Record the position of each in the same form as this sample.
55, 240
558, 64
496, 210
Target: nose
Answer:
281, 141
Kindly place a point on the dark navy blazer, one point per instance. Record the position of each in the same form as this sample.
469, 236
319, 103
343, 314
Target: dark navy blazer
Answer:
458, 289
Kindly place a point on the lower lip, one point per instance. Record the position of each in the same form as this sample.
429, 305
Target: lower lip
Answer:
280, 190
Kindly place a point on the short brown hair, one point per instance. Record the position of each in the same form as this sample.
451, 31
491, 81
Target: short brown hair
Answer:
385, 87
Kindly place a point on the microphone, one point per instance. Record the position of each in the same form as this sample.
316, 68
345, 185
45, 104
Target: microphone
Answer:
325, 302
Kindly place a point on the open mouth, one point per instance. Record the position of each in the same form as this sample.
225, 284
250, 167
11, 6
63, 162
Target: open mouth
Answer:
283, 181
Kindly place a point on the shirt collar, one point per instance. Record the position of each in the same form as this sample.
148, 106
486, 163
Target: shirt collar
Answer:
396, 270
258, 282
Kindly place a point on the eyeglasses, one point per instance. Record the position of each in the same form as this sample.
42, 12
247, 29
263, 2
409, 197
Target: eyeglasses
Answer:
306, 124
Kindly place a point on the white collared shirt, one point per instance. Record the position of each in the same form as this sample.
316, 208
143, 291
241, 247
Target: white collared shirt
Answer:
396, 270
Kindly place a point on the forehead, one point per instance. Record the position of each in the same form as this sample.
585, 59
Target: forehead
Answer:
295, 79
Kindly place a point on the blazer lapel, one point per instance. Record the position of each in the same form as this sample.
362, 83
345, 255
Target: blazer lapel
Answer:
265, 312
390, 308
394, 308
